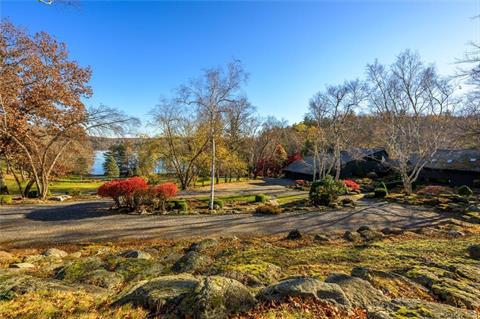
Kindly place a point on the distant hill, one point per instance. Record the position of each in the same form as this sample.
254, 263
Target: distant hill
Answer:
103, 143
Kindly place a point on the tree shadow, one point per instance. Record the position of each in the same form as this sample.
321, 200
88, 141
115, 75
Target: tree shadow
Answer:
72, 212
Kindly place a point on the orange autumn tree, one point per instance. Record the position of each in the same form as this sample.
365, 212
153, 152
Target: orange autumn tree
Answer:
41, 109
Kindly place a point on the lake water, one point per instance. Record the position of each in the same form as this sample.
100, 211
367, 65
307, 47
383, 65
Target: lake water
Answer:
98, 159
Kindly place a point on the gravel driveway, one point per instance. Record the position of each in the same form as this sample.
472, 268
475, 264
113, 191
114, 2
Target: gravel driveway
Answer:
40, 225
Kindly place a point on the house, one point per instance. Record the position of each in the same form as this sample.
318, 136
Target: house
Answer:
454, 167
356, 162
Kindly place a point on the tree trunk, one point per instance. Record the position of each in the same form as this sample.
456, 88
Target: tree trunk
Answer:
3, 185
212, 167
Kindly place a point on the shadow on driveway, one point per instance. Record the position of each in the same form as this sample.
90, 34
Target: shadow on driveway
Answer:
72, 212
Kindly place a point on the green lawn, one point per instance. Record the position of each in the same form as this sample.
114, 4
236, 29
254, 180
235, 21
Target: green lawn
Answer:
63, 186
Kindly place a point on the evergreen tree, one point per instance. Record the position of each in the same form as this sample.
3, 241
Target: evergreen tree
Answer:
110, 166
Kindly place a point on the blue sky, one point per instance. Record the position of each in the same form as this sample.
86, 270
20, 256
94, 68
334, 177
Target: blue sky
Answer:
140, 50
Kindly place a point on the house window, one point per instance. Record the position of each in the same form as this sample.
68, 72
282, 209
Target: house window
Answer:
473, 159
434, 160
449, 161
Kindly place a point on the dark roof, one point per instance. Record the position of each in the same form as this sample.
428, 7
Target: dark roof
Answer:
305, 166
459, 160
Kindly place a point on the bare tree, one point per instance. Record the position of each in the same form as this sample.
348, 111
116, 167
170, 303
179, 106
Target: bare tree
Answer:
332, 110
212, 94
183, 138
414, 104
469, 125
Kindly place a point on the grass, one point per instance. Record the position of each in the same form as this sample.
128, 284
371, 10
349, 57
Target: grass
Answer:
63, 186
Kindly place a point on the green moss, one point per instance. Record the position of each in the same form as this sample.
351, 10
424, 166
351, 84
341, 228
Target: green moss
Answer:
404, 312
79, 268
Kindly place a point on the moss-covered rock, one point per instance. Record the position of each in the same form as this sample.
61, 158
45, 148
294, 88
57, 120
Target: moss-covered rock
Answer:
418, 309
103, 278
192, 262
474, 251
54, 252
253, 274
215, 297
392, 284
450, 284
359, 292
137, 269
78, 269
158, 292
305, 287
136, 254
12, 284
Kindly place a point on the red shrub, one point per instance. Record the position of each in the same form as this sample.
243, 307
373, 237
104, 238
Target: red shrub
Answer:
293, 158
351, 184
300, 182
165, 190
122, 190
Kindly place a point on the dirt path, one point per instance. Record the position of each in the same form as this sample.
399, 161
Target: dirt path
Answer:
22, 226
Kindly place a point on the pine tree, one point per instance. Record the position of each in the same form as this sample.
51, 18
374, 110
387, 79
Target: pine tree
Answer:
110, 166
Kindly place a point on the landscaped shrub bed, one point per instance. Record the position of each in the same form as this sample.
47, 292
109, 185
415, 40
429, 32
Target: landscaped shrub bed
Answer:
134, 193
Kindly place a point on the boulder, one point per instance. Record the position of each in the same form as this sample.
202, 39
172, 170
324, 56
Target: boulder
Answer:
304, 287
76, 254
158, 292
392, 284
184, 296
418, 309
450, 283
78, 268
203, 245
33, 258
352, 236
22, 266
138, 269
215, 297
474, 251
371, 235
294, 235
12, 284
455, 233
359, 292
321, 238
103, 278
363, 228
254, 275
54, 252
138, 254
192, 262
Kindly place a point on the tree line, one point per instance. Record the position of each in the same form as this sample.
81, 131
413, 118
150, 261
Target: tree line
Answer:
208, 129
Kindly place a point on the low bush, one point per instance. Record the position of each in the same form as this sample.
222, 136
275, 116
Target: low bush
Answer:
434, 190
380, 192
178, 204
268, 210
326, 191
218, 203
260, 198
464, 190
5, 199
74, 192
163, 192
